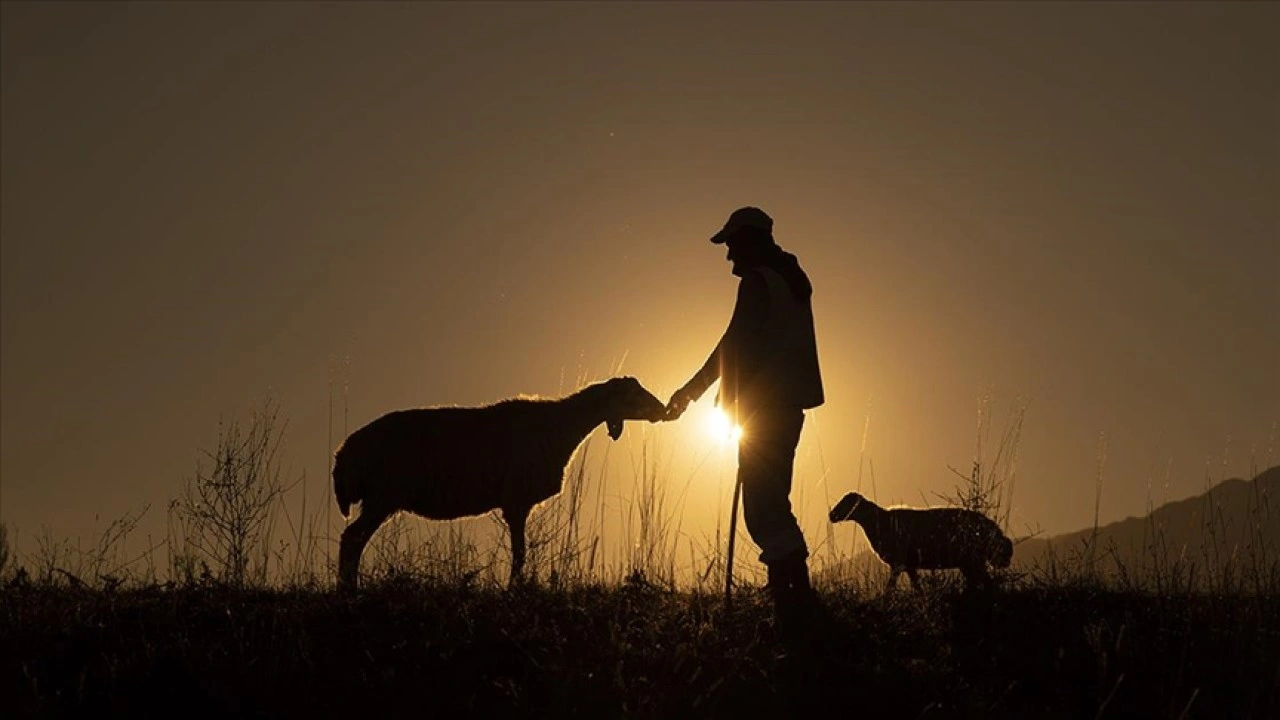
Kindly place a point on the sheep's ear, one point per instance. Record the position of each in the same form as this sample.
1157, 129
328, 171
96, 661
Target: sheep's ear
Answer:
615, 428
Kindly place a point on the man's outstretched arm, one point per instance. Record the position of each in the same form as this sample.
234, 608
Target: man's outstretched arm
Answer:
748, 315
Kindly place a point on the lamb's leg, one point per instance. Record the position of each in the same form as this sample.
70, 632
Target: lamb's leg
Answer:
515, 518
894, 571
352, 544
915, 580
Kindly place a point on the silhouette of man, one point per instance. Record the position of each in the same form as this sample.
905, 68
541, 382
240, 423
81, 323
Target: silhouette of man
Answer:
767, 364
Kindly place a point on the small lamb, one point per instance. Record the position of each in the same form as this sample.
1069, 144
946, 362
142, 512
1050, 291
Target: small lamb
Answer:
931, 539
451, 462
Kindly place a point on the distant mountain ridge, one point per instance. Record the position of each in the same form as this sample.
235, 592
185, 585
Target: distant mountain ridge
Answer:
1236, 521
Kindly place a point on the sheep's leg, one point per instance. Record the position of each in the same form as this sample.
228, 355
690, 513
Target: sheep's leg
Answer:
976, 576
515, 518
354, 538
915, 580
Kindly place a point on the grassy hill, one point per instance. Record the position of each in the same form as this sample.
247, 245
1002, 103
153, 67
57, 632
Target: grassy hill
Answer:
1115, 623
1229, 535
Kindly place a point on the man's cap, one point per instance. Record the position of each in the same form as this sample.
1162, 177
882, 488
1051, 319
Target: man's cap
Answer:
743, 218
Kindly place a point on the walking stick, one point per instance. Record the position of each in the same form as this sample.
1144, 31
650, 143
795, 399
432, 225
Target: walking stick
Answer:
733, 532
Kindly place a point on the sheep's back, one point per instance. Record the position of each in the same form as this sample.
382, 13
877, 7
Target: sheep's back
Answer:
935, 538
452, 462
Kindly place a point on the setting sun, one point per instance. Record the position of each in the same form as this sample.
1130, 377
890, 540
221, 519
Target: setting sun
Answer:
721, 427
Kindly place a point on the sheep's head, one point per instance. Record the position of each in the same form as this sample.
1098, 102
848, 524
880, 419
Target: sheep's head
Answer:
845, 508
628, 400
1001, 552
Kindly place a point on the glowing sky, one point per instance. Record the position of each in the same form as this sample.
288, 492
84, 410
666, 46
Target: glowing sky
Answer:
456, 203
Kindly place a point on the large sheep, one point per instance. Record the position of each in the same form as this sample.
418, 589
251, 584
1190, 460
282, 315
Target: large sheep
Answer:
913, 539
450, 462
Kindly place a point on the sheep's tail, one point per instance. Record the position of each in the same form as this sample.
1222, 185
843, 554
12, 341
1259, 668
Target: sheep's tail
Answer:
1003, 553
346, 485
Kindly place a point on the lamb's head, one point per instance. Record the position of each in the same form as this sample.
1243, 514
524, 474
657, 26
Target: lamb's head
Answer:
626, 399
844, 509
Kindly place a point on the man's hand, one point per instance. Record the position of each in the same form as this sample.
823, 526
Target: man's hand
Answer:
678, 403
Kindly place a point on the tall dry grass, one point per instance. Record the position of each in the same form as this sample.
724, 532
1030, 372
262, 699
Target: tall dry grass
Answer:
608, 527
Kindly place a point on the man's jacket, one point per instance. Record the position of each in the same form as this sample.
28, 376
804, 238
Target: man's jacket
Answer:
768, 356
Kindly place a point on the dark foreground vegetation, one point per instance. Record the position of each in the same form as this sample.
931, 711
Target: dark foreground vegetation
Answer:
632, 650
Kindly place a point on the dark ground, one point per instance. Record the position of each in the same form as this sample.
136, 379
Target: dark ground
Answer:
633, 651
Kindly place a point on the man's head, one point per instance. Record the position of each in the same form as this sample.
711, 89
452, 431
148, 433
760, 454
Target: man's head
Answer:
748, 235
745, 224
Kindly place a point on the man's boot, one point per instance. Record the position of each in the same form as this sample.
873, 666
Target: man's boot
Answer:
795, 604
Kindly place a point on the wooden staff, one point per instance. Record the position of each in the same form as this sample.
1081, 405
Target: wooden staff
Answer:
733, 532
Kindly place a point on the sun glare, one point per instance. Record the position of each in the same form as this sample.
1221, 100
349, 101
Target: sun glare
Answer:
722, 428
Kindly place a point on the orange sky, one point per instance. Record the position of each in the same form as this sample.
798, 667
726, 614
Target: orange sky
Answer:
456, 203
